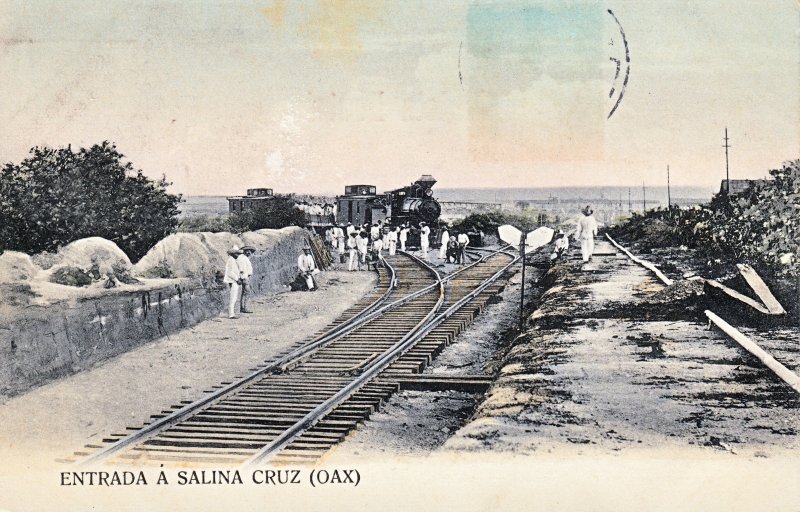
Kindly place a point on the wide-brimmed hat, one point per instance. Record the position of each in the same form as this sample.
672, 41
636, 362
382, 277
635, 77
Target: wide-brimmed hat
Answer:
248, 248
234, 250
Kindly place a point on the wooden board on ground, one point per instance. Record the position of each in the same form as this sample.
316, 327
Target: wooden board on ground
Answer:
761, 289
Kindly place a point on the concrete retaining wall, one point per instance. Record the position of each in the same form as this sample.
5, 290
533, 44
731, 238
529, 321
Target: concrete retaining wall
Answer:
41, 343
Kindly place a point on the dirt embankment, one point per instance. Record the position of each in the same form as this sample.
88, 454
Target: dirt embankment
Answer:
48, 329
592, 373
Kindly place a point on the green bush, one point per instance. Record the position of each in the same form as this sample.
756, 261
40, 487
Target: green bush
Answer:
212, 223
57, 196
278, 212
488, 222
760, 226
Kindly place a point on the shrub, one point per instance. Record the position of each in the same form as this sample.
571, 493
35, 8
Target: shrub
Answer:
56, 196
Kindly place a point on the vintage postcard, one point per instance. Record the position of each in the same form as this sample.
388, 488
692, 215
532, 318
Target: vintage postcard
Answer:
399, 255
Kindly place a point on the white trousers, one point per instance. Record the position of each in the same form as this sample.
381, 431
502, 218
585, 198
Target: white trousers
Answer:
353, 260
233, 299
587, 248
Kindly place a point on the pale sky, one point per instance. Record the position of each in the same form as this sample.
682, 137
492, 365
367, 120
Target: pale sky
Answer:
308, 96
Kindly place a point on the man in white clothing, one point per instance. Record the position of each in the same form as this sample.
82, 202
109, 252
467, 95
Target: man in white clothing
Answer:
463, 242
246, 267
424, 243
392, 237
587, 230
361, 243
233, 277
445, 239
352, 246
305, 262
338, 241
403, 237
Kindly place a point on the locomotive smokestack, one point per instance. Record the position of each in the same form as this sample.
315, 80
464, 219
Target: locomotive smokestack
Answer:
426, 180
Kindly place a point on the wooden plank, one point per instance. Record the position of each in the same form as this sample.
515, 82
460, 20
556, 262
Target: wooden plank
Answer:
738, 296
785, 374
761, 289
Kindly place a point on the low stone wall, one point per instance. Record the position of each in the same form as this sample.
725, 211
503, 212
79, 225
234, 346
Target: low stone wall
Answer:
41, 343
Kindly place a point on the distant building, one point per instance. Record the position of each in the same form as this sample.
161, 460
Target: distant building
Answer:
736, 186
254, 198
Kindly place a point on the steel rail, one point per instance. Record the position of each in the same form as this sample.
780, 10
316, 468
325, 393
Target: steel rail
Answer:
380, 364
178, 415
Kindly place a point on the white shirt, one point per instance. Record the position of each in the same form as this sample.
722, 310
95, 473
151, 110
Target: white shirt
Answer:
424, 232
306, 262
245, 266
232, 272
587, 227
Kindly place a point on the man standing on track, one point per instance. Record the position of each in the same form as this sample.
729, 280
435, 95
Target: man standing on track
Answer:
444, 239
463, 242
424, 233
587, 230
403, 237
233, 277
392, 238
246, 267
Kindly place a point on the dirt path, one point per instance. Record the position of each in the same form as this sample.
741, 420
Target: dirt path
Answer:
54, 420
592, 376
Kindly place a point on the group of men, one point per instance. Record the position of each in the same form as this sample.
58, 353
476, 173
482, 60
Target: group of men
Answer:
367, 242
316, 208
238, 271
453, 246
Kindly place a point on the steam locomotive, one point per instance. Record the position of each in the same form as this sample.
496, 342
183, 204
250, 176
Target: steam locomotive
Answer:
407, 205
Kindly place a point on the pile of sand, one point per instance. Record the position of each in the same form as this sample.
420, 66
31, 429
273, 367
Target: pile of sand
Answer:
17, 266
87, 252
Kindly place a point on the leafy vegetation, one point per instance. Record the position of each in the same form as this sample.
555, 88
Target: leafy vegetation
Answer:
525, 220
56, 196
278, 212
760, 226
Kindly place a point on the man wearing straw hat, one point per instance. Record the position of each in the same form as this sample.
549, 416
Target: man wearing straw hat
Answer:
307, 268
587, 230
247, 271
234, 277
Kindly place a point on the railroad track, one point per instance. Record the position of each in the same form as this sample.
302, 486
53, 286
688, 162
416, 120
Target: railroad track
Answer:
298, 407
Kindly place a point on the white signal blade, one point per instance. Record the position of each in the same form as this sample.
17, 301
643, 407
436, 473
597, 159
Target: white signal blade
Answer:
537, 238
509, 234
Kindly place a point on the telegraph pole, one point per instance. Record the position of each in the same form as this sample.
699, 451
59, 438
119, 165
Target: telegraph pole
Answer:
727, 172
522, 290
669, 197
644, 199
